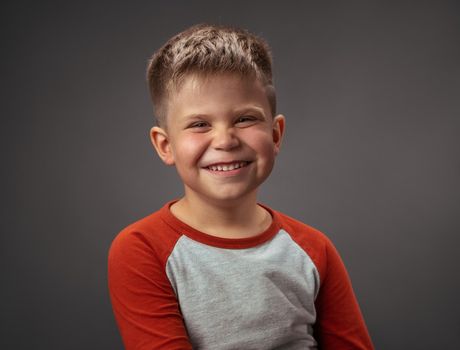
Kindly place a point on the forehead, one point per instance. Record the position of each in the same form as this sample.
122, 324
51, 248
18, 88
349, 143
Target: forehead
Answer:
216, 93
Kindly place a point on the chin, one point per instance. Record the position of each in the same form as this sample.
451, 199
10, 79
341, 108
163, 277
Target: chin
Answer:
230, 197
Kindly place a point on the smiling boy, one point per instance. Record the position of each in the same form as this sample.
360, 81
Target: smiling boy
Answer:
221, 136
215, 269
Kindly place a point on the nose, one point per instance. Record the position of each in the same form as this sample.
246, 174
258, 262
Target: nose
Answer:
225, 139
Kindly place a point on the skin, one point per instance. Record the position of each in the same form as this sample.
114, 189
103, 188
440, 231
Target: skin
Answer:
220, 122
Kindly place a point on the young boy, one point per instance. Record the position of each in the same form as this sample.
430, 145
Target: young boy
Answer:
215, 269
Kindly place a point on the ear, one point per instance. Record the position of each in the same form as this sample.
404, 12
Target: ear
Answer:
278, 131
161, 143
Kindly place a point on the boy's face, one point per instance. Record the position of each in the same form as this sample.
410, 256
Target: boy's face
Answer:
221, 137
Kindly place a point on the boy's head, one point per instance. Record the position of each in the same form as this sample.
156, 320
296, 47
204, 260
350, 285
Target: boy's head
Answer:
215, 104
205, 50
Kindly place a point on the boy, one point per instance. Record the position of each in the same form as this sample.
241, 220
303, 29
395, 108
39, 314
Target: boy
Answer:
215, 269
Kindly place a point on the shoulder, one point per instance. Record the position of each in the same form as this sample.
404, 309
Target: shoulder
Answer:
144, 238
304, 234
314, 242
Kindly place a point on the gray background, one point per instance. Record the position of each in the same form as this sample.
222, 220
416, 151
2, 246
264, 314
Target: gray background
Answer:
371, 156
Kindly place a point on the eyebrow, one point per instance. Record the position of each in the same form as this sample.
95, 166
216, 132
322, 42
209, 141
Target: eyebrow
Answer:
239, 110
251, 108
193, 116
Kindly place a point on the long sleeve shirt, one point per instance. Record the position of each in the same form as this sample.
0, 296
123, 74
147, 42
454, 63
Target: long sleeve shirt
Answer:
173, 287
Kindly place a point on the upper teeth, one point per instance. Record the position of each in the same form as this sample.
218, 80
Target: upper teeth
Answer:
227, 167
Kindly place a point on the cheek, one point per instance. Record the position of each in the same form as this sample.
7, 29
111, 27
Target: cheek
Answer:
189, 149
262, 142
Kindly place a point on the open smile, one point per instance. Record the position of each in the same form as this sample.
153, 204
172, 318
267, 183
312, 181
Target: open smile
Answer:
223, 167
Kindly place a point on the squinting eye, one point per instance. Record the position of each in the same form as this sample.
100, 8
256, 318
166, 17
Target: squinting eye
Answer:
199, 125
246, 118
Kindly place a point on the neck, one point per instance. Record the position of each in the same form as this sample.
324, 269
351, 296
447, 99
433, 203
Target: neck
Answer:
223, 219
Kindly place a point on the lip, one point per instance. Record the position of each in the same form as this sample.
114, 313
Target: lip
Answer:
226, 163
222, 168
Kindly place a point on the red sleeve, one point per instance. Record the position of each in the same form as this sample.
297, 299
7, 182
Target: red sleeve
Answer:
144, 303
340, 324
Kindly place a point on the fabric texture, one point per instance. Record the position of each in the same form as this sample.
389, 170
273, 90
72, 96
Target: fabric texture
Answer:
173, 287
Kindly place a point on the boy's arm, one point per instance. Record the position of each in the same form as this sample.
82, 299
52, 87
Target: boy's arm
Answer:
340, 324
144, 303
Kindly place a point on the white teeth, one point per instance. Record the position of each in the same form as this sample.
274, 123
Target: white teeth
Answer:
227, 167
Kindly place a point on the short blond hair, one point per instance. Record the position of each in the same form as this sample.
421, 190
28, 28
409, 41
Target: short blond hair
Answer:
208, 49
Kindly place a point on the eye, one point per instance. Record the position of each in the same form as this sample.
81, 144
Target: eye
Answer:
198, 125
246, 119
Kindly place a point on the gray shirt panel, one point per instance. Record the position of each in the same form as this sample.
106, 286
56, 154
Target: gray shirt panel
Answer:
255, 298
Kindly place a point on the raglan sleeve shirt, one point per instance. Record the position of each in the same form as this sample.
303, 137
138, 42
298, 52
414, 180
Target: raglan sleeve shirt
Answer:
173, 287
